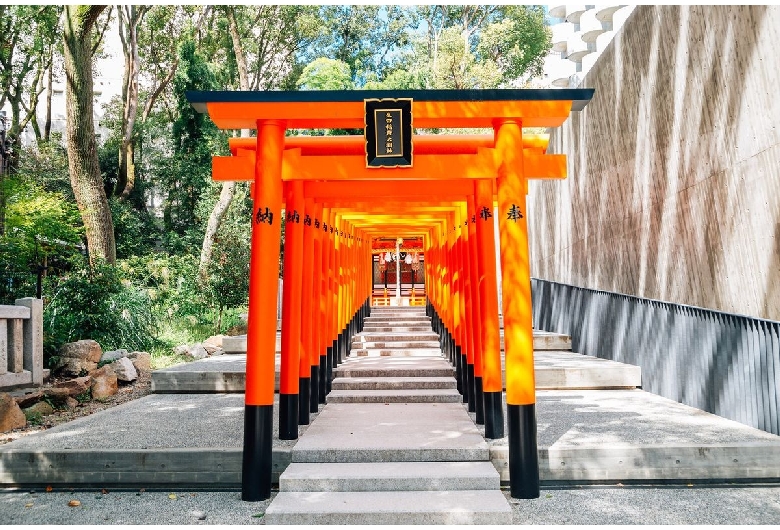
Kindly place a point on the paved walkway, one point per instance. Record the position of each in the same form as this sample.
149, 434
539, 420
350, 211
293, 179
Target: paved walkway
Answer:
588, 435
696, 505
588, 427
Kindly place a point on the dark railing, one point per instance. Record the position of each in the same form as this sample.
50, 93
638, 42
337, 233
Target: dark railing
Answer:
722, 363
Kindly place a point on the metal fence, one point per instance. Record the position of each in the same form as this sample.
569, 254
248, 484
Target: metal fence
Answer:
722, 363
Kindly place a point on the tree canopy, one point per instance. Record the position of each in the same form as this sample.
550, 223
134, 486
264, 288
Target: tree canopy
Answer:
141, 197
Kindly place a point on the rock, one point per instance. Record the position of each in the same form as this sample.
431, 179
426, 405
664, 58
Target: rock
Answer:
80, 356
124, 369
74, 387
197, 351
104, 383
219, 351
71, 403
41, 408
214, 340
142, 361
11, 416
181, 350
57, 394
210, 348
29, 398
113, 355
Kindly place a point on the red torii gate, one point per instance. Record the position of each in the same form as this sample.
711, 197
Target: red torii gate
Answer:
339, 182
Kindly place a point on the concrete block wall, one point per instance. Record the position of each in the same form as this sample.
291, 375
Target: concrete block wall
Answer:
674, 167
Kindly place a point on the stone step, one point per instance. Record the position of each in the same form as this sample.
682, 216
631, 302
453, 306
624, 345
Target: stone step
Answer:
415, 313
546, 341
399, 315
390, 476
485, 507
405, 352
396, 344
397, 322
392, 432
397, 329
416, 318
395, 367
392, 383
386, 337
433, 395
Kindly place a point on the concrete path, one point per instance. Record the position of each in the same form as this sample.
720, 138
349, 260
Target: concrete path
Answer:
391, 450
684, 505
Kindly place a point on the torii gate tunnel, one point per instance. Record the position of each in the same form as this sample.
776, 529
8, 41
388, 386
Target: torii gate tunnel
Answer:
340, 193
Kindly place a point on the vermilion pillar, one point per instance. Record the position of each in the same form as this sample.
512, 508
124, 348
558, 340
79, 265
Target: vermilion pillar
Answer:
309, 300
318, 310
261, 333
291, 311
476, 309
518, 328
326, 309
333, 300
468, 307
492, 385
460, 296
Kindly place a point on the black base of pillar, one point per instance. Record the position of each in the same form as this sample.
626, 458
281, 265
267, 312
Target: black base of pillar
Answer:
329, 367
523, 453
314, 398
494, 415
479, 400
323, 390
459, 371
470, 380
288, 416
304, 400
258, 453
464, 374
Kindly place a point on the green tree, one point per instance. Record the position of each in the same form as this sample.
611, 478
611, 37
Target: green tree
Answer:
262, 49
480, 46
186, 176
326, 74
150, 37
28, 36
364, 37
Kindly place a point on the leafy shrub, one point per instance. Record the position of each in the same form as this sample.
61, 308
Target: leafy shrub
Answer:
97, 303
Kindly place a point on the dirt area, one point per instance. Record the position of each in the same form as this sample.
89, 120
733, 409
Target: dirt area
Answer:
127, 392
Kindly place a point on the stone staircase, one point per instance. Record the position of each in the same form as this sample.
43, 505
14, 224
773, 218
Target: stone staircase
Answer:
391, 331
394, 444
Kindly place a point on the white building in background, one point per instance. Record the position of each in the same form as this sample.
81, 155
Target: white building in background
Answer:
580, 33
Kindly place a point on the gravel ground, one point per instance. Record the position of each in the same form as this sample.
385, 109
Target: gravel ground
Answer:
606, 505
127, 392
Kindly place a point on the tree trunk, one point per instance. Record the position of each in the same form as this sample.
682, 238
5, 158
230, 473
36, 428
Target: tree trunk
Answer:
47, 124
215, 219
130, 18
80, 132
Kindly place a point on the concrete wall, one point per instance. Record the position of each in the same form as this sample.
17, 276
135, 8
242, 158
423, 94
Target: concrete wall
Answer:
674, 166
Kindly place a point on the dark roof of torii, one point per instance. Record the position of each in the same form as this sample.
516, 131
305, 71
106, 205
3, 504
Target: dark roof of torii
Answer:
579, 96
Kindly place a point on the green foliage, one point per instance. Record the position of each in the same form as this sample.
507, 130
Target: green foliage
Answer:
97, 303
326, 74
34, 418
43, 226
84, 396
367, 37
136, 230
186, 176
227, 283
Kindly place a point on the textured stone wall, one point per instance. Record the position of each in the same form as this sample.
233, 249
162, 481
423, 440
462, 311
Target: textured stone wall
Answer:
674, 166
